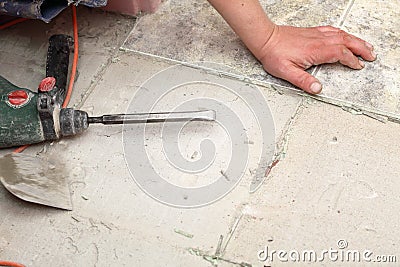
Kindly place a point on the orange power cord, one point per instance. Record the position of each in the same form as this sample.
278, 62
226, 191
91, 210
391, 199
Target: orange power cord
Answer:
11, 23
69, 91
75, 60
10, 264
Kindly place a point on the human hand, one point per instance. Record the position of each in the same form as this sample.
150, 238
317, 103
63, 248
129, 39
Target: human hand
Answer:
290, 51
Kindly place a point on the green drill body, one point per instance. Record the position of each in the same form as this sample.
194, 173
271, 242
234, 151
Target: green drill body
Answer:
38, 118
18, 124
28, 117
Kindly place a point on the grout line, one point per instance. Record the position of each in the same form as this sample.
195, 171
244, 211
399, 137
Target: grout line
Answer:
218, 250
231, 232
283, 141
95, 81
346, 104
99, 74
138, 20
316, 70
342, 19
287, 89
345, 13
210, 70
215, 260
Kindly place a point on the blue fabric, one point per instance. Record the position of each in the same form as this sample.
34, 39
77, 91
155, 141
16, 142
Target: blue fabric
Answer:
41, 9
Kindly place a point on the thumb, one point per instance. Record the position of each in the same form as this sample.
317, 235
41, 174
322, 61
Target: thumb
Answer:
302, 79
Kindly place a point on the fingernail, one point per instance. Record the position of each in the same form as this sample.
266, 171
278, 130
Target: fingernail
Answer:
362, 64
370, 46
373, 54
316, 87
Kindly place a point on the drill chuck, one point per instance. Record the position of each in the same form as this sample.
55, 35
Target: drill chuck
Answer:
72, 122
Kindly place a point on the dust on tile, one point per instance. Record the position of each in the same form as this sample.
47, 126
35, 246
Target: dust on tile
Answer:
192, 31
377, 86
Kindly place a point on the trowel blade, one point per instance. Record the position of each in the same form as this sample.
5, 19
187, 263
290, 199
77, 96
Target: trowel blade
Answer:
36, 180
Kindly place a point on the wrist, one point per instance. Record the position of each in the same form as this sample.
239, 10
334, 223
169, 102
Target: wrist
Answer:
265, 46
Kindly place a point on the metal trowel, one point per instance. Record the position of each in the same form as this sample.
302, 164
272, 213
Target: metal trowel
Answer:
36, 180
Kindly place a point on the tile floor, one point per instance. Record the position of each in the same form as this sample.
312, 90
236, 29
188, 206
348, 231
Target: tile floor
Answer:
201, 35
338, 172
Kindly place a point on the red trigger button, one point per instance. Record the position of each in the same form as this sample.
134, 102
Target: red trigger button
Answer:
47, 84
18, 97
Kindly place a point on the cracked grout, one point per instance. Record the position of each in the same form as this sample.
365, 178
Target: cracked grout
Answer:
283, 142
